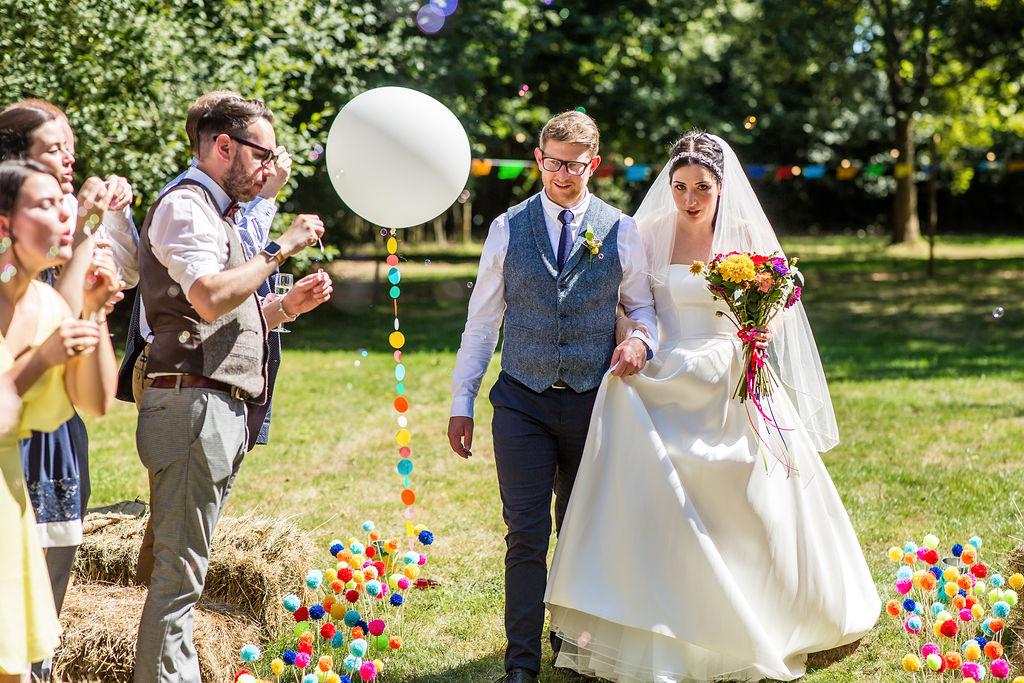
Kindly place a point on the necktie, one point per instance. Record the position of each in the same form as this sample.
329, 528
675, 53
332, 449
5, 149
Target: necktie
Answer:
565, 217
230, 212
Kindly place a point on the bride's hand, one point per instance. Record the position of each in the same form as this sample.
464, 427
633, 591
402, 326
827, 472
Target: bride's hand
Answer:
624, 327
763, 337
629, 357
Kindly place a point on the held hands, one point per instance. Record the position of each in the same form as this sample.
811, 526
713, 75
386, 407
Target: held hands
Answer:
763, 337
72, 338
93, 201
282, 170
103, 286
304, 231
307, 294
120, 191
629, 357
460, 435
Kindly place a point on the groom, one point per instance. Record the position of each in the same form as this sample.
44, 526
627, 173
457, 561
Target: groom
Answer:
558, 291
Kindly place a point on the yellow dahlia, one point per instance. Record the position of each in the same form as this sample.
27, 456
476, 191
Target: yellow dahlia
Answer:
737, 268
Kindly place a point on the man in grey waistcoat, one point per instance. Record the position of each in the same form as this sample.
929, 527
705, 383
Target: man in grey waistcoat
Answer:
557, 290
207, 362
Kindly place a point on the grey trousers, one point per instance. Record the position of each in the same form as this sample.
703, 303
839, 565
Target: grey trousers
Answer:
192, 441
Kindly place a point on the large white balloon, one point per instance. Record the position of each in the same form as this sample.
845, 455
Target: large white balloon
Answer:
397, 157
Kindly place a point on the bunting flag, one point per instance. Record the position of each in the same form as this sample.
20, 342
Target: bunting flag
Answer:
509, 169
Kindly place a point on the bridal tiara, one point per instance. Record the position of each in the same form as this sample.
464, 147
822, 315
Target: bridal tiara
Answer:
701, 159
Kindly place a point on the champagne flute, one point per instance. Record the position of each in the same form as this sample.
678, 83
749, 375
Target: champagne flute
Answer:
283, 283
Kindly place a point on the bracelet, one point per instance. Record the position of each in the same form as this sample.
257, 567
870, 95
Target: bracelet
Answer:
288, 317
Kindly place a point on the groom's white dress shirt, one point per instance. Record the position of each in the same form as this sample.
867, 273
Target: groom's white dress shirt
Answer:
487, 303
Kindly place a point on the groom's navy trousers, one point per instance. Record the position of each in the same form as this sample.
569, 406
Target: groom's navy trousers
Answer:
538, 444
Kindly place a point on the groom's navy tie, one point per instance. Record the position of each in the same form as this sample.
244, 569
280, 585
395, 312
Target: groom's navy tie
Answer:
565, 217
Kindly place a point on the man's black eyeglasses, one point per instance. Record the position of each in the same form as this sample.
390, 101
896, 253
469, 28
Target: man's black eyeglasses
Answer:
268, 154
552, 165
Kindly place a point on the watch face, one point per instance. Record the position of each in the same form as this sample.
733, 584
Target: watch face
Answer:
272, 248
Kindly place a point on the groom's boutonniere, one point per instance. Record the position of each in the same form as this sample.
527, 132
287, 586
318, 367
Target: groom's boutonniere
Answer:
594, 245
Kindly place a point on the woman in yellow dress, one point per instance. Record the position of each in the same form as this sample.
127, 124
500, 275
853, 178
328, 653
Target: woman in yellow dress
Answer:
54, 360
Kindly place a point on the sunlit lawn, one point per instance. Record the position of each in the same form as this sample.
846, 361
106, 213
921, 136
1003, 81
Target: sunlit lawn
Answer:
926, 382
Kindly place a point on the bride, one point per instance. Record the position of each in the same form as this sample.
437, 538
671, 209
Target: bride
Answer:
688, 552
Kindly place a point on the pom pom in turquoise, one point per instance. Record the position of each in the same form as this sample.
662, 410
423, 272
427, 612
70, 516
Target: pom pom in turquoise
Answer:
373, 588
288, 657
411, 557
338, 639
987, 628
357, 647
292, 602
251, 653
309, 678
352, 662
1001, 609
910, 547
919, 609
957, 550
426, 538
357, 548
316, 612
904, 572
314, 578
369, 526
351, 618
997, 580
396, 599
936, 608
975, 541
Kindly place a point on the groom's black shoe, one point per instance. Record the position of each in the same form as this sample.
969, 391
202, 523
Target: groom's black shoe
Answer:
518, 676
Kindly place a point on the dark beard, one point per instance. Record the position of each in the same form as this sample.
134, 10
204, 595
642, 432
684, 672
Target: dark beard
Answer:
238, 184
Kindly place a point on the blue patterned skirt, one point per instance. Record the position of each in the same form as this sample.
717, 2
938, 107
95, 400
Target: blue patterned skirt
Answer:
56, 466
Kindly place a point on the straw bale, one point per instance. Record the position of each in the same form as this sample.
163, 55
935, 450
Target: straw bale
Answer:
101, 621
254, 563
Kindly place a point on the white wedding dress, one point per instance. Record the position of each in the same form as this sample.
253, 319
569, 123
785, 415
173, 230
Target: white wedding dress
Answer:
681, 558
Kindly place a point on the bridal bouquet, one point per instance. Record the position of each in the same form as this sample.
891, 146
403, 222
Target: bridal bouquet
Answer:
755, 288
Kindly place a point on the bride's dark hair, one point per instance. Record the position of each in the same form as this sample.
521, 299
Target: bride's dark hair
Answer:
697, 148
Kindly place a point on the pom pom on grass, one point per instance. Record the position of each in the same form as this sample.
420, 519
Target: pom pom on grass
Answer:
316, 612
931, 557
999, 668
301, 614
357, 647
953, 660
949, 628
397, 600
328, 630
251, 653
368, 671
395, 643
288, 657
993, 650
337, 640
277, 666
1016, 581
911, 663
376, 627
325, 663
302, 660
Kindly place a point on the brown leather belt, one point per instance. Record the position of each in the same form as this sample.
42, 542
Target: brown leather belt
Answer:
191, 381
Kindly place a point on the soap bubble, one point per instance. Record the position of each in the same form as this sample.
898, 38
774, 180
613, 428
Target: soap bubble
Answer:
184, 336
469, 285
447, 7
430, 19
998, 312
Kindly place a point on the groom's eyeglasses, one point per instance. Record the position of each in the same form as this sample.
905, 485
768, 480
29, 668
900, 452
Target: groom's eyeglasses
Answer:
268, 154
552, 165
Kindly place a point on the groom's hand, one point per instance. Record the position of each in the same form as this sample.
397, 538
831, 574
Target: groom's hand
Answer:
631, 357
460, 435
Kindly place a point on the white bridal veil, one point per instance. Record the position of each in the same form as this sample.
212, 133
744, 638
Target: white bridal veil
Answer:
742, 226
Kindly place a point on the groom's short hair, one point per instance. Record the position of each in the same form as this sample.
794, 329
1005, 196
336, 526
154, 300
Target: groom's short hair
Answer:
573, 127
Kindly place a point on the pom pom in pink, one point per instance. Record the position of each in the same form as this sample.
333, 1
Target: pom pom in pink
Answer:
376, 627
368, 671
903, 586
966, 614
930, 649
403, 583
302, 660
1000, 668
921, 552
423, 560
971, 670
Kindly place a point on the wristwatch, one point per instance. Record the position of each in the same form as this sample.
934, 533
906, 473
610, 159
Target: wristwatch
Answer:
274, 249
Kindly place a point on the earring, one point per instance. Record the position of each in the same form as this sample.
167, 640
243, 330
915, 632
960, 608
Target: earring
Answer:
5, 244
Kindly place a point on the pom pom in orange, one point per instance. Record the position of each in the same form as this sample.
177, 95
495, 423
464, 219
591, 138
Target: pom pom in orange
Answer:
969, 556
395, 643
953, 660
965, 582
374, 535
993, 650
996, 625
357, 632
928, 582
893, 608
959, 602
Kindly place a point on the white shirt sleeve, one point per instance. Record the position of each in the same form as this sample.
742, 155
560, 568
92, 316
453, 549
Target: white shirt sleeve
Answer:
635, 290
119, 229
188, 239
486, 311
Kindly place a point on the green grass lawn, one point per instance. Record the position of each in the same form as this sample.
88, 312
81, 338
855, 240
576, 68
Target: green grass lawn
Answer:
926, 382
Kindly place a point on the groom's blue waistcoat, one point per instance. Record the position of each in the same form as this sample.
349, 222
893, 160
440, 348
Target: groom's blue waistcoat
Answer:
560, 326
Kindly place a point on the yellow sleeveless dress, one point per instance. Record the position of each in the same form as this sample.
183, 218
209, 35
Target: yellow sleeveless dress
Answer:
29, 630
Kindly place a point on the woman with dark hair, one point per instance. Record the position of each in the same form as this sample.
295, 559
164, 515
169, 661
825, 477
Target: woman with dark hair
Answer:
721, 567
56, 463
55, 359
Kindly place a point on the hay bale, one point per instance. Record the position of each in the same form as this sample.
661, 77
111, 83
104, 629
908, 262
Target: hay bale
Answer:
254, 563
101, 621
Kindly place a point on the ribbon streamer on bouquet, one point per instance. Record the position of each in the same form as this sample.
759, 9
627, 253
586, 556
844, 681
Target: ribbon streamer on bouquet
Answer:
403, 436
757, 363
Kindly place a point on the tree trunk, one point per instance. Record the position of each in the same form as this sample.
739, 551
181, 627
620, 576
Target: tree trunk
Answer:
439, 236
467, 222
933, 204
906, 228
